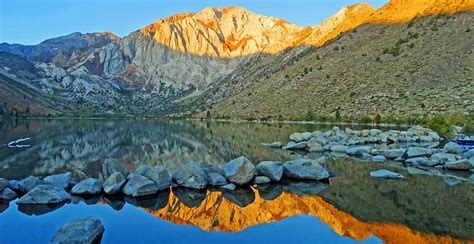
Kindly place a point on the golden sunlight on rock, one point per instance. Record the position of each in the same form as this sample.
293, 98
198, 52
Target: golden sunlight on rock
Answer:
218, 213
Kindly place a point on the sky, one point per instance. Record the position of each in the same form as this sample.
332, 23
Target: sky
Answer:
33, 21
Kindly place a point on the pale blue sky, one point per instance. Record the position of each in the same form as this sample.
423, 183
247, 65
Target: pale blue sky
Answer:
32, 21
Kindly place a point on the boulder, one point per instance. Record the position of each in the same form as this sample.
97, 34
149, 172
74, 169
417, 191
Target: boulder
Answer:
160, 176
444, 157
89, 186
83, 230
17, 186
229, 187
379, 159
139, 185
261, 180
59, 180
314, 146
392, 153
31, 182
321, 140
339, 148
141, 170
114, 183
45, 194
305, 169
296, 146
211, 168
298, 137
272, 145
270, 169
359, 150
374, 132
3, 183
420, 161
216, 179
418, 152
239, 171
386, 174
7, 194
191, 176
434, 135
452, 147
459, 165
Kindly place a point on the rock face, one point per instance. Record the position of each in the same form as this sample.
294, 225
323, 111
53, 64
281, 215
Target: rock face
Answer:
139, 185
239, 171
270, 169
89, 186
59, 180
191, 176
84, 230
305, 169
114, 183
45, 194
160, 176
383, 173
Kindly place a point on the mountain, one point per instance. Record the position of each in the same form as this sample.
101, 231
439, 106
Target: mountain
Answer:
191, 61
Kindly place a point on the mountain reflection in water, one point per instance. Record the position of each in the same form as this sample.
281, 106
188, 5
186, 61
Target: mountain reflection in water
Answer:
421, 208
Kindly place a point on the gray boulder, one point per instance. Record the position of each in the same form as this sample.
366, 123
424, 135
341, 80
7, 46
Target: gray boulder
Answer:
31, 182
452, 147
114, 183
418, 152
139, 185
7, 194
160, 176
3, 183
386, 174
89, 186
392, 153
239, 171
216, 179
45, 194
460, 165
379, 159
296, 146
261, 180
359, 150
270, 169
229, 187
59, 180
83, 230
191, 176
305, 169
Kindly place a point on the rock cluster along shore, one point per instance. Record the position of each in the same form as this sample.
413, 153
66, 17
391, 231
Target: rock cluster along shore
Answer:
415, 146
144, 181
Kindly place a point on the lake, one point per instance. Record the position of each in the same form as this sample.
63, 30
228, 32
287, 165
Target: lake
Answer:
350, 207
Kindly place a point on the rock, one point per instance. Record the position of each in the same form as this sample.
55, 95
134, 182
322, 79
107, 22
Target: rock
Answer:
261, 180
374, 132
451, 180
110, 166
299, 137
31, 182
418, 152
3, 183
114, 183
434, 136
191, 176
359, 150
392, 153
304, 188
229, 187
417, 171
296, 146
139, 185
160, 176
141, 170
383, 137
216, 179
459, 165
211, 168
469, 154
272, 145
452, 147
270, 169
314, 146
444, 157
83, 230
339, 148
305, 169
45, 194
7, 194
321, 140
422, 161
59, 180
17, 186
383, 173
89, 186
379, 159
239, 171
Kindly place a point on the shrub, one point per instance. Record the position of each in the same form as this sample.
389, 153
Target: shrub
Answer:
336, 48
441, 124
386, 50
338, 115
365, 120
309, 116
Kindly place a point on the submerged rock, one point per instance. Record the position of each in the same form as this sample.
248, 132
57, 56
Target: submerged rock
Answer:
114, 183
45, 194
451, 180
239, 171
386, 174
59, 180
160, 176
39, 209
304, 188
139, 185
305, 169
339, 148
191, 176
83, 230
270, 169
89, 186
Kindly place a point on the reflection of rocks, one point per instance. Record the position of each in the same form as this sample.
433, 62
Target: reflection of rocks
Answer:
152, 202
38, 209
190, 197
84, 230
270, 191
241, 196
114, 201
87, 199
304, 188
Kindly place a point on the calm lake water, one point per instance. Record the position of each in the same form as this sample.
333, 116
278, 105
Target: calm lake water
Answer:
351, 207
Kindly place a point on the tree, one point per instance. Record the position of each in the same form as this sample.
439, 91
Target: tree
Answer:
208, 114
309, 116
